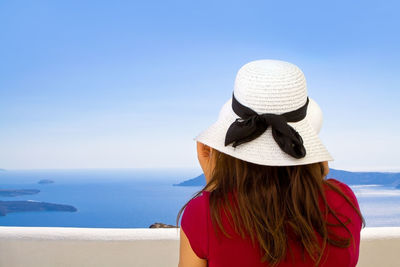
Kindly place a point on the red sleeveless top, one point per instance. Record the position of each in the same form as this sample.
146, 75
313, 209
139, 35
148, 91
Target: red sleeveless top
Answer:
223, 252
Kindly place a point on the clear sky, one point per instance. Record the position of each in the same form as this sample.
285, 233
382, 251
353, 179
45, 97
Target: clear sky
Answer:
128, 84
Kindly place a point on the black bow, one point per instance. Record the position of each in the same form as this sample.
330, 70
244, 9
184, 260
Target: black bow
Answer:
251, 125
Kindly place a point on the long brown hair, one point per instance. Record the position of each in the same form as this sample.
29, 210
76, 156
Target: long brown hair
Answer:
271, 199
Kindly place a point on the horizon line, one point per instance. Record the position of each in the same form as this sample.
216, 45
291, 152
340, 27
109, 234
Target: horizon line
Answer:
379, 170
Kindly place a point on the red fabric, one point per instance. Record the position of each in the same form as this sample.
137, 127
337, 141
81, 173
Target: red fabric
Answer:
196, 223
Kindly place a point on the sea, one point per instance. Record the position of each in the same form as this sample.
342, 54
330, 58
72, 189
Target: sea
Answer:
138, 198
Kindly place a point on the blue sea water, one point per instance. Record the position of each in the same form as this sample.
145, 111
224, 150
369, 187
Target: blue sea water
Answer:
139, 198
104, 198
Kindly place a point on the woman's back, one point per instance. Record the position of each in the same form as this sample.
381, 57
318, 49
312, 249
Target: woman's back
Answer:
221, 251
265, 152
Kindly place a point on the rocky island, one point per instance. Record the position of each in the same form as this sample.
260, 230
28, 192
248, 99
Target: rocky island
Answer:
45, 181
30, 205
161, 225
17, 192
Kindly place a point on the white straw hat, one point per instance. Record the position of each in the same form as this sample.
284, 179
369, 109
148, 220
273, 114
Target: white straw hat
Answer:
269, 88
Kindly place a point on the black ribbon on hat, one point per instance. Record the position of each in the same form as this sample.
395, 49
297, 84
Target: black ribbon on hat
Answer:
251, 125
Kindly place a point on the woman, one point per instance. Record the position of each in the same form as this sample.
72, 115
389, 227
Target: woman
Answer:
267, 201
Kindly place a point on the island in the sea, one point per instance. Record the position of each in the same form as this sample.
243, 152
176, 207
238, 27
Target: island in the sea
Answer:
2, 170
161, 225
17, 192
350, 178
30, 205
45, 181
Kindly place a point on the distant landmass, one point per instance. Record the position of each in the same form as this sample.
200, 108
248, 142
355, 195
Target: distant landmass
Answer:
30, 205
351, 178
17, 192
2, 170
363, 178
45, 181
197, 181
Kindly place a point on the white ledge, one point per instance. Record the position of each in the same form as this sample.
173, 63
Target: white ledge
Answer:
380, 233
97, 234
121, 234
104, 247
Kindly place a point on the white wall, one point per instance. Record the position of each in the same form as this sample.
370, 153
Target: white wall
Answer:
98, 247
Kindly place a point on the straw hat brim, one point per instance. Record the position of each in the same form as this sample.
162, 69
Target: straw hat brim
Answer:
264, 150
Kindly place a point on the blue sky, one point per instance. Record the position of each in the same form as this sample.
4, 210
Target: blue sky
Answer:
125, 84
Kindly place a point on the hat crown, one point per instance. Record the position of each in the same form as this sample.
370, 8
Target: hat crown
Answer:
270, 86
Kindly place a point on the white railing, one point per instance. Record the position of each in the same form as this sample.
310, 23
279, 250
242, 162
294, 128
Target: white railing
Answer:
98, 247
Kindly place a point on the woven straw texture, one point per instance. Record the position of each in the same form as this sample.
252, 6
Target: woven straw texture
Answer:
269, 86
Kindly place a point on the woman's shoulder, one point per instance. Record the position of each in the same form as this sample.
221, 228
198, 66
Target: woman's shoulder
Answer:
194, 223
197, 206
337, 197
340, 184
199, 201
